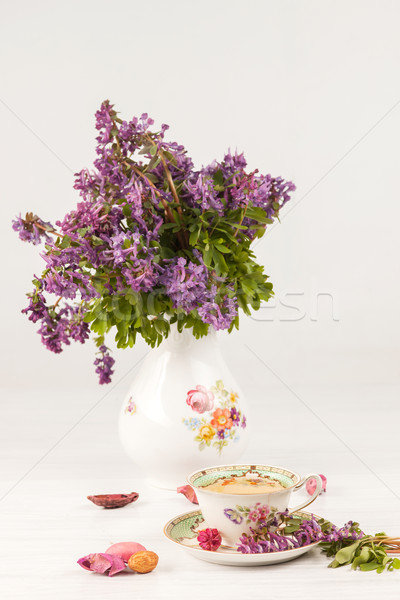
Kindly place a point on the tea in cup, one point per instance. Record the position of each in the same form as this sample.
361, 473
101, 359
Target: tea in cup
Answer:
229, 495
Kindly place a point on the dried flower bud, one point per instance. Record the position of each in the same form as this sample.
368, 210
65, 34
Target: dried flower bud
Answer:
209, 539
102, 562
311, 485
189, 492
125, 549
143, 562
113, 500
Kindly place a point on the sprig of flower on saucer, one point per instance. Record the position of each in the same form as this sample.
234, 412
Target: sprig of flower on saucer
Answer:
348, 544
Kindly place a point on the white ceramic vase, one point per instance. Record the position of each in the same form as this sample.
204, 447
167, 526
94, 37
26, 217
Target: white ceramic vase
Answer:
184, 411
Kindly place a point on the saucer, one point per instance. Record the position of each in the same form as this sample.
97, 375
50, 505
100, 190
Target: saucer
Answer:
183, 530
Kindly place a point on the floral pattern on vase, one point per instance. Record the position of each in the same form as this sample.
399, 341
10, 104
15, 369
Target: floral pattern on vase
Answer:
131, 407
221, 418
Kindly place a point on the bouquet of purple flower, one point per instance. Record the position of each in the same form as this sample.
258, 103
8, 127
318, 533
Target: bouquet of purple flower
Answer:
152, 242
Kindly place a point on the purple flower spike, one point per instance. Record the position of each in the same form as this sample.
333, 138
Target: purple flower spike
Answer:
104, 365
32, 229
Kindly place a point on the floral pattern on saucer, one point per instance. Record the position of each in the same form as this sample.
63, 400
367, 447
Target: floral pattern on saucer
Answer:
221, 418
183, 530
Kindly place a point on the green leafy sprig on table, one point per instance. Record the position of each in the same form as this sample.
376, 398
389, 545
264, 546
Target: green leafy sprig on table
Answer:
367, 554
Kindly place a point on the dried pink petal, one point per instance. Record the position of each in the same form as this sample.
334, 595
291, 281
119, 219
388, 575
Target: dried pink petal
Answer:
125, 549
117, 565
189, 492
101, 562
311, 485
113, 500
209, 539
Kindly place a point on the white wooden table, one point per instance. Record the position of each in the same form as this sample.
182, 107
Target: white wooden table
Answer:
70, 444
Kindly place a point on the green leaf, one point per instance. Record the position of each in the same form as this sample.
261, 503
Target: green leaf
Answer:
227, 234
132, 296
396, 563
169, 226
151, 177
247, 287
218, 177
66, 242
334, 564
381, 569
155, 161
363, 557
146, 149
194, 236
346, 554
223, 249
370, 566
258, 214
243, 304
220, 264
207, 256
166, 252
291, 529
161, 326
99, 326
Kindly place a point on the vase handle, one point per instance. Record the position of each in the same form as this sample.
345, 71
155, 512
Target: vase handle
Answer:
301, 483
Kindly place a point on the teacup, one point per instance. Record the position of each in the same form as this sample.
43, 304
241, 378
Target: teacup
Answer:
239, 492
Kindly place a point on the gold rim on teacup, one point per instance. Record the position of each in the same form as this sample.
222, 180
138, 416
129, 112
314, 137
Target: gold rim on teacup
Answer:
244, 469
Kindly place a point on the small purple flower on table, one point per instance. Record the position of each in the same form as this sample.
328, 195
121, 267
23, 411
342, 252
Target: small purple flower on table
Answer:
243, 423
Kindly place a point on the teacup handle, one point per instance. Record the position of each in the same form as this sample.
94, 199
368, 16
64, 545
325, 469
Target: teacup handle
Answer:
317, 492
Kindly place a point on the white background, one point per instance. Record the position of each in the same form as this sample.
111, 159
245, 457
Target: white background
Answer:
308, 90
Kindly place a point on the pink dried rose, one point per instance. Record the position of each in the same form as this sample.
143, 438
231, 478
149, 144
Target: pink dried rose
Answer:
102, 562
209, 539
200, 399
311, 485
113, 500
189, 492
125, 550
